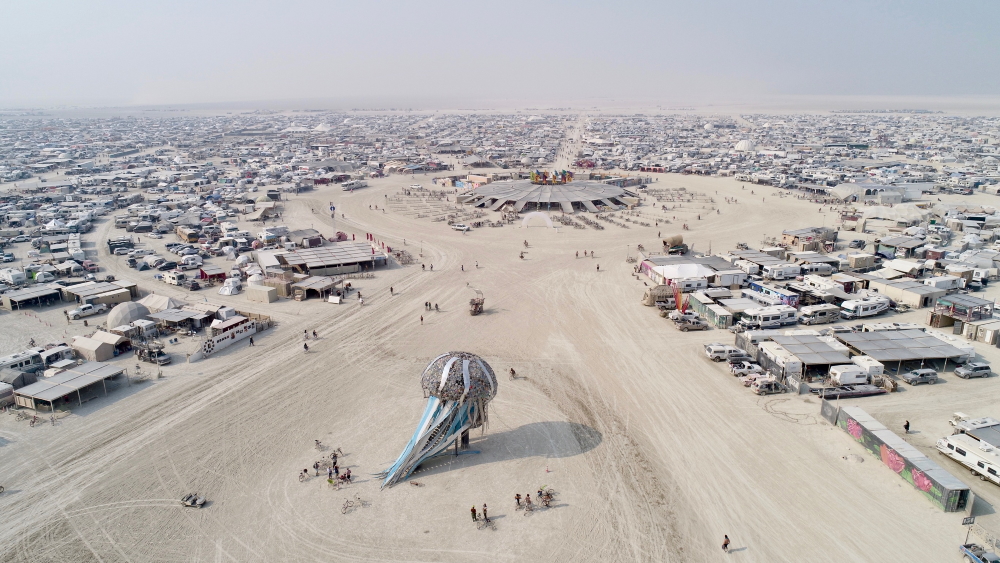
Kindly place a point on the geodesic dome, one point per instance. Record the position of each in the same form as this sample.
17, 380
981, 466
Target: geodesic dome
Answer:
459, 376
125, 313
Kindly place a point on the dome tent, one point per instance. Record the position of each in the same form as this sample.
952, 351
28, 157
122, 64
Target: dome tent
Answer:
125, 313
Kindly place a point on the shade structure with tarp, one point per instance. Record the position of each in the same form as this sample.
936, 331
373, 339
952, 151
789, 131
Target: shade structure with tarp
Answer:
156, 303
898, 346
67, 385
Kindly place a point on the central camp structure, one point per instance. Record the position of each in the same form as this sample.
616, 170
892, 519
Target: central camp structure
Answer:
571, 196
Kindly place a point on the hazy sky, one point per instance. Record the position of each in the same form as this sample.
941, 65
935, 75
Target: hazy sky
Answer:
174, 52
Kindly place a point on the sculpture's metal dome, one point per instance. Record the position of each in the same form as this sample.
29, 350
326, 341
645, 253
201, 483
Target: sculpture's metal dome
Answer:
459, 376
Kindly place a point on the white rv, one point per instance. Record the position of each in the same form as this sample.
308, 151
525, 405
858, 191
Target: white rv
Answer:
354, 185
865, 307
769, 317
848, 374
819, 314
980, 457
818, 268
782, 271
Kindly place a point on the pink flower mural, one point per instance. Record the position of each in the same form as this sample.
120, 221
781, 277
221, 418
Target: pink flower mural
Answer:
921, 480
892, 459
853, 428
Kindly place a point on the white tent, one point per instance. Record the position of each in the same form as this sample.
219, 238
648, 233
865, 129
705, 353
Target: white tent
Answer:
156, 303
683, 271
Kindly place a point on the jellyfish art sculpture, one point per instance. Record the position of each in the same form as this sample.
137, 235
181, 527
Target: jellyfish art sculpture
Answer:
458, 386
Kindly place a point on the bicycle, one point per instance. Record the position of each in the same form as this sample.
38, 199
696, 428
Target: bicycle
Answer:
336, 453
302, 477
21, 416
356, 503
319, 446
52, 419
485, 523
528, 508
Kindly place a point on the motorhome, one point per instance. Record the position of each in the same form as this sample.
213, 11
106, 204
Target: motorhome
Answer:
819, 314
769, 317
865, 307
782, 271
978, 456
354, 185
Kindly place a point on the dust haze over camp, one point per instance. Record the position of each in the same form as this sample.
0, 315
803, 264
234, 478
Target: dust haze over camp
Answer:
643, 282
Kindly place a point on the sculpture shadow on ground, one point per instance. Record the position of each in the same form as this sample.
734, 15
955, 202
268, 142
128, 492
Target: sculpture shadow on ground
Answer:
543, 440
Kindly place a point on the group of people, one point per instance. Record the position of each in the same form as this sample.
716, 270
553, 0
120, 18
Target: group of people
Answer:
585, 253
475, 517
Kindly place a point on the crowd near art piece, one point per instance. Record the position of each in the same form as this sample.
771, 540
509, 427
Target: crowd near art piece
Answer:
458, 387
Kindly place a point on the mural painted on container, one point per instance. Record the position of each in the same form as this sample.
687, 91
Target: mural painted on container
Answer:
894, 461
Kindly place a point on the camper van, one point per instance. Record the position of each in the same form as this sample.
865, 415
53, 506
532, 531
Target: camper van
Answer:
354, 185
866, 307
819, 314
782, 271
768, 317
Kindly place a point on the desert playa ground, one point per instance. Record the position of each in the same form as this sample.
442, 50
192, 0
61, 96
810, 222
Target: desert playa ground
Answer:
654, 451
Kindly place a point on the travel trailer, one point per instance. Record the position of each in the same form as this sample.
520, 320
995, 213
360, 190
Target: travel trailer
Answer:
979, 457
782, 271
848, 374
866, 307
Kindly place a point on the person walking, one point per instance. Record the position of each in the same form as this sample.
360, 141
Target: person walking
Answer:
316, 467
474, 519
725, 544
598, 267
251, 341
421, 319
305, 347
329, 473
485, 517
336, 470
463, 267
391, 291
906, 426
315, 336
517, 499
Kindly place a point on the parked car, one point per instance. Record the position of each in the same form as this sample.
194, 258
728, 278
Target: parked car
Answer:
744, 367
691, 324
168, 265
918, 376
767, 387
974, 369
192, 285
154, 235
461, 227
8, 257
21, 238
858, 243
120, 251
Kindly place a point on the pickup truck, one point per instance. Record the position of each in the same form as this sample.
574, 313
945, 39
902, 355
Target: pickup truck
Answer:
86, 311
977, 554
